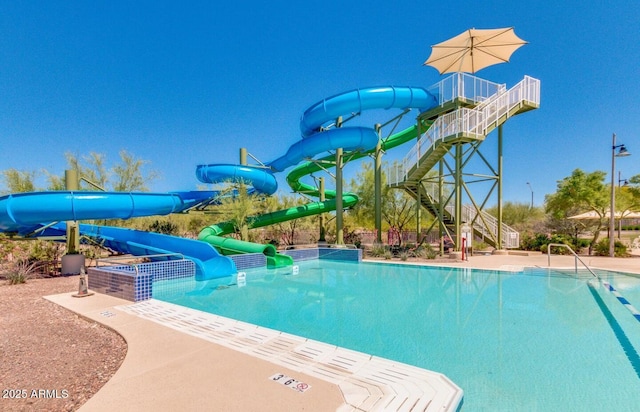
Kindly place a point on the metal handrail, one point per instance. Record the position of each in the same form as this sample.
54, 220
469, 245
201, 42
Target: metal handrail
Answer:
624, 301
463, 85
476, 121
577, 258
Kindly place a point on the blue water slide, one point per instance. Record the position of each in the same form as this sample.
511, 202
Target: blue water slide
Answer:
348, 138
209, 263
26, 209
358, 100
260, 178
24, 213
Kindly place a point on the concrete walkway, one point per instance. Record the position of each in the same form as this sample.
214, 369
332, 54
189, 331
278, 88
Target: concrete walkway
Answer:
168, 369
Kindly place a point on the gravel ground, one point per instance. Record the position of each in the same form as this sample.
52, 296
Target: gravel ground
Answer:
51, 359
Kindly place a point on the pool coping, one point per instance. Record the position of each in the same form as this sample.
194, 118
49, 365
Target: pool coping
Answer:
340, 379
367, 382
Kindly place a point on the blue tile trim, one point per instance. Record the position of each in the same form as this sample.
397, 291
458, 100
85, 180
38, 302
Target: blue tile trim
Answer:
123, 282
354, 255
249, 260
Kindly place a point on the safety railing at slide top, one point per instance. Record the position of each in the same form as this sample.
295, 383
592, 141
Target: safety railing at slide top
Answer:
493, 102
604, 283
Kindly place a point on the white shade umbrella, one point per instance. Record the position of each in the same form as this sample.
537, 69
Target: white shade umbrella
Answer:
474, 49
593, 215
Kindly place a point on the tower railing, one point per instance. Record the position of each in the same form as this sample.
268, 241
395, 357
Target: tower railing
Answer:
484, 224
494, 104
464, 86
477, 121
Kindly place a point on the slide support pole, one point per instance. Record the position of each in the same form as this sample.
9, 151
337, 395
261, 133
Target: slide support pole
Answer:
321, 239
243, 156
378, 187
339, 211
73, 238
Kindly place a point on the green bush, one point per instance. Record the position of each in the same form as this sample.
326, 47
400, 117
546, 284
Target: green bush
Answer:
45, 250
540, 242
602, 248
481, 246
404, 255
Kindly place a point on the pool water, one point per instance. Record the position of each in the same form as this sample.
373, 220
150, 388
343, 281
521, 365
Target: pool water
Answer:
538, 340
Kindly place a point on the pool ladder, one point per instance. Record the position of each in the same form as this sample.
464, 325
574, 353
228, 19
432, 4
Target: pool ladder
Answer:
607, 285
574, 255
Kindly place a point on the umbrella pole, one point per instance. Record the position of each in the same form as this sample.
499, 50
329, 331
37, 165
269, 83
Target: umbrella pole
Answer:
499, 234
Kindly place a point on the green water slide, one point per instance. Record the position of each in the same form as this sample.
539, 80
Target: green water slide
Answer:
356, 142
228, 246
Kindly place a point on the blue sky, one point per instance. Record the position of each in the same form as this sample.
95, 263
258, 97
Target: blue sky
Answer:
187, 83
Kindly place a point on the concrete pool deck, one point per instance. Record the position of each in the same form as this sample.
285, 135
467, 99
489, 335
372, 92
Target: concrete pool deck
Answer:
180, 364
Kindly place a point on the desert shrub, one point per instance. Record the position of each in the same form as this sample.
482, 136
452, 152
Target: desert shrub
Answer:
404, 255
6, 246
419, 252
430, 252
377, 250
20, 271
387, 255
352, 238
165, 227
481, 246
602, 248
45, 251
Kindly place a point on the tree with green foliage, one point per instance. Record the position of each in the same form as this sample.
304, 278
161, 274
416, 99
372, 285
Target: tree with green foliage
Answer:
90, 167
129, 174
520, 216
18, 181
126, 176
581, 192
363, 213
238, 208
286, 231
398, 208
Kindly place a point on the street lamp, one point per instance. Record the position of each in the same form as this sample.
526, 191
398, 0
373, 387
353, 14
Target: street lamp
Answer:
621, 180
622, 152
530, 188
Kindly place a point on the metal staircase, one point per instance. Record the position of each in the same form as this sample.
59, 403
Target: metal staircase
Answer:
470, 109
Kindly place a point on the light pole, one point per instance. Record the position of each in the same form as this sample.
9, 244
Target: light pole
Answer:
626, 183
622, 152
530, 188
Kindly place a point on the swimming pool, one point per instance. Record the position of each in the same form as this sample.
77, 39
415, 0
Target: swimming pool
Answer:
534, 340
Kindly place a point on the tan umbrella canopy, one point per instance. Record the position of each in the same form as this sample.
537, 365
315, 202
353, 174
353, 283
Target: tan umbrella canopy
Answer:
593, 215
474, 49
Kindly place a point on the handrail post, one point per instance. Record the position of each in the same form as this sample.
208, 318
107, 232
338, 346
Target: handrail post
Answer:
573, 253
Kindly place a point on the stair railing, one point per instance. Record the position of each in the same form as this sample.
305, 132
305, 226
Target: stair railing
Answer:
476, 121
